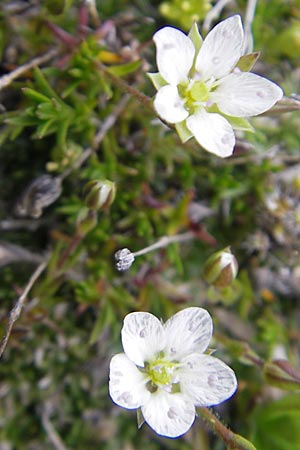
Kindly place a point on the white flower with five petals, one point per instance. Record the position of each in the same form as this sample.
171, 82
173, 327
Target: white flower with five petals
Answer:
165, 372
202, 91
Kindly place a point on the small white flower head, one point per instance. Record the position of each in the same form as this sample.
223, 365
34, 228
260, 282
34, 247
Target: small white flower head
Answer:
201, 88
165, 372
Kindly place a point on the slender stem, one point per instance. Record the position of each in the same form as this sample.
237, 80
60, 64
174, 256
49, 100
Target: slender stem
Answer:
165, 241
7, 79
232, 440
221, 430
214, 13
125, 258
52, 434
125, 87
249, 17
16, 311
69, 250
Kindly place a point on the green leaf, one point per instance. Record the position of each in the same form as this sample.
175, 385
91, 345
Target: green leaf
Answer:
246, 62
183, 131
62, 133
43, 84
70, 89
105, 318
45, 128
23, 121
157, 80
277, 424
124, 69
174, 257
35, 96
196, 37
46, 111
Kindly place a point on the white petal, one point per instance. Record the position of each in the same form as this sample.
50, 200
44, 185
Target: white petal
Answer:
142, 337
169, 105
221, 49
175, 54
246, 94
207, 380
168, 414
126, 383
213, 132
188, 331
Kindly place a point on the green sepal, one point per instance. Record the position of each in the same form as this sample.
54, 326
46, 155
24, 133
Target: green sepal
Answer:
240, 123
140, 418
124, 69
157, 80
183, 131
195, 37
240, 443
246, 62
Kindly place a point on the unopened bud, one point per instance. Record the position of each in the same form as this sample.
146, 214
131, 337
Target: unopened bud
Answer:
99, 194
282, 374
124, 259
221, 268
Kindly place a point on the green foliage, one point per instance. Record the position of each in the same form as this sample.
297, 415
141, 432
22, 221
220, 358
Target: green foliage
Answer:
277, 424
185, 13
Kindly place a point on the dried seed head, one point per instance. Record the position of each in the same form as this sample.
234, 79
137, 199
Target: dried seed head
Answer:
40, 193
124, 259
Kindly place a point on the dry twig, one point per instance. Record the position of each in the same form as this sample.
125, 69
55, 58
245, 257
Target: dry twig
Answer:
16, 311
214, 14
8, 78
52, 434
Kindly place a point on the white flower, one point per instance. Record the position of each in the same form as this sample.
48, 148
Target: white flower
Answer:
200, 88
164, 372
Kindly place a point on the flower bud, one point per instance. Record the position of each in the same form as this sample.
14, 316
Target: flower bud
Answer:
124, 259
99, 194
221, 268
280, 373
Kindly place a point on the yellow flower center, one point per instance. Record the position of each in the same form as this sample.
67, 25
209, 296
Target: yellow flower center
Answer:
161, 374
194, 93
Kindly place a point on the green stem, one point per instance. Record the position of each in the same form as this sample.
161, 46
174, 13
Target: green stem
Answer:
232, 440
125, 87
69, 250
